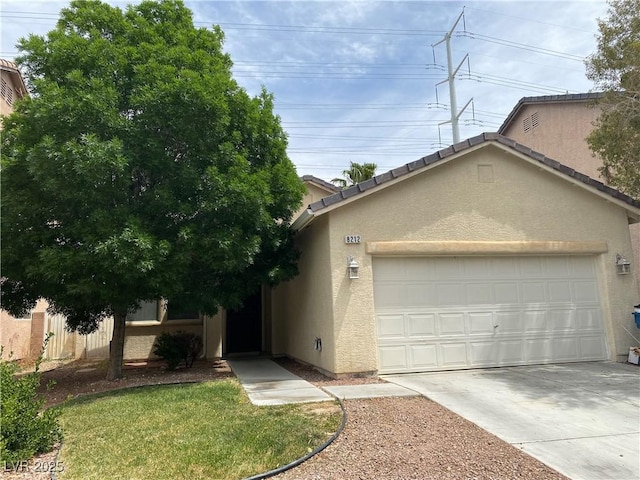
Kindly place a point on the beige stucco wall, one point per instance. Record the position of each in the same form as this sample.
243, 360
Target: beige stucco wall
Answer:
138, 342
5, 107
302, 309
15, 333
314, 193
213, 335
523, 203
561, 135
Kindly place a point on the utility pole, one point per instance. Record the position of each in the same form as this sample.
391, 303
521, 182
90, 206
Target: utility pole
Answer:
453, 102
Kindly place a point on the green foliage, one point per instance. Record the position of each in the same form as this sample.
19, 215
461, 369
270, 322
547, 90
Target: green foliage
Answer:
356, 173
25, 429
615, 68
139, 169
178, 347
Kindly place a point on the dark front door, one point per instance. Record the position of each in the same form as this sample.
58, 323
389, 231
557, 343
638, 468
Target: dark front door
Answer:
244, 327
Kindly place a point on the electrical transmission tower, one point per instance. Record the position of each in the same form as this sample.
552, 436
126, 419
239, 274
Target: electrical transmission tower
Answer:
451, 77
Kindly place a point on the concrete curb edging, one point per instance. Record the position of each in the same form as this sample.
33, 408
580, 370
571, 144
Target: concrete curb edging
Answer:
318, 449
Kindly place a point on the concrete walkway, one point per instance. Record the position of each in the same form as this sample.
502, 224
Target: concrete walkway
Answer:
267, 383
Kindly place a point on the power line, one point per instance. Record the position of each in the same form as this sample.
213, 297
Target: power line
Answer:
284, 28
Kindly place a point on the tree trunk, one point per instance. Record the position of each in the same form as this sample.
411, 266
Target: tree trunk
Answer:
116, 347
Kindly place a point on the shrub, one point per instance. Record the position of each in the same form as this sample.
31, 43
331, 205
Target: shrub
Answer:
25, 429
177, 347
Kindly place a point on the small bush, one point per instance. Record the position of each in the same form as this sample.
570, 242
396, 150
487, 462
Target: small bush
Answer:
178, 347
25, 429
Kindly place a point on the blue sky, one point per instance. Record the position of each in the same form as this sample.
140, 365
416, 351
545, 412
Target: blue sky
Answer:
358, 80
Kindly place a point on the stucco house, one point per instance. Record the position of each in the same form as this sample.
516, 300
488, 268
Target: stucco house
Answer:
483, 254
558, 125
22, 336
12, 86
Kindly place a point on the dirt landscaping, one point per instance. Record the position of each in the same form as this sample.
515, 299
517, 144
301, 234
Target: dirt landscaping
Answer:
391, 438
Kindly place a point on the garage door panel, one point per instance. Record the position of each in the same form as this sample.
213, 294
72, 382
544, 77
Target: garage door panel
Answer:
393, 358
537, 350
556, 266
509, 322
504, 267
588, 319
420, 271
510, 352
479, 294
420, 294
391, 269
481, 323
560, 292
451, 324
449, 294
591, 347
483, 354
476, 267
565, 349
506, 293
446, 268
562, 321
531, 267
533, 292
421, 325
586, 291
535, 321
581, 267
453, 354
390, 295
465, 312
391, 326
423, 357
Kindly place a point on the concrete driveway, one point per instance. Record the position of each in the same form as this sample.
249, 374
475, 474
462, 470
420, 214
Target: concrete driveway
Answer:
582, 419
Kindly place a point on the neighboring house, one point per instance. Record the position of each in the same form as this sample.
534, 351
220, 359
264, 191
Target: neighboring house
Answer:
483, 254
12, 86
316, 189
557, 125
16, 333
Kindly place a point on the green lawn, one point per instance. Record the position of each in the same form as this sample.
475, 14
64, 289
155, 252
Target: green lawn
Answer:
191, 431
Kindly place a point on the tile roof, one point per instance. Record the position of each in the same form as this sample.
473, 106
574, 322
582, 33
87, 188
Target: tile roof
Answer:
436, 157
321, 183
571, 97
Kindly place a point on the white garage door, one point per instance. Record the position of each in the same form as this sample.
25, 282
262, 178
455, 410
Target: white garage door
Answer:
466, 312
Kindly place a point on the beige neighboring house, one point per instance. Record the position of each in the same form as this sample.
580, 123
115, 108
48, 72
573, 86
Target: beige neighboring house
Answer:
12, 86
479, 255
558, 125
17, 334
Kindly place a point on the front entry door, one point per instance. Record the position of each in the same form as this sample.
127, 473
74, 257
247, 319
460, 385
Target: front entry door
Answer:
244, 327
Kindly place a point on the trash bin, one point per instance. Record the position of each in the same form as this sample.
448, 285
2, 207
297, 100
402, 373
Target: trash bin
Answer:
636, 314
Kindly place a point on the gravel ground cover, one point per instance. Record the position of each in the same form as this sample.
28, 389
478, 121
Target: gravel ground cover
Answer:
385, 438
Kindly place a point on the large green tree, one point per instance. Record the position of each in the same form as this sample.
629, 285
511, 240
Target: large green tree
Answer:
615, 68
138, 169
356, 173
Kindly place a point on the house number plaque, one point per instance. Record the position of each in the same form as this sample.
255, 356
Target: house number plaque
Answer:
352, 239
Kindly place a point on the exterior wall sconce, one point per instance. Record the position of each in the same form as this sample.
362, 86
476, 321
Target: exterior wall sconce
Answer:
623, 266
353, 268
